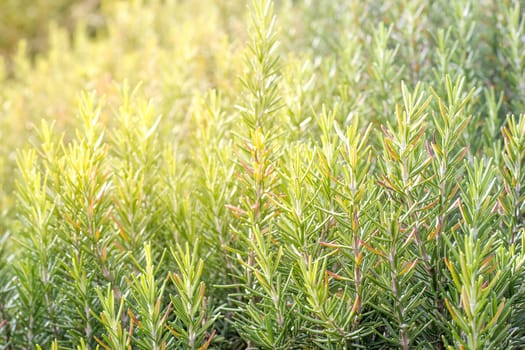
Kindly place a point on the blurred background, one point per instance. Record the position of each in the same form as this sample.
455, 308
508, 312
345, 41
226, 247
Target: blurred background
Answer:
29, 19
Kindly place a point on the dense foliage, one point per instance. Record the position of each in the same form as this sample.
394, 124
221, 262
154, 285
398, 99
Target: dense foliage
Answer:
339, 174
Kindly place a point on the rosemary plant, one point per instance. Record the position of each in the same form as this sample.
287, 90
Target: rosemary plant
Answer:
332, 175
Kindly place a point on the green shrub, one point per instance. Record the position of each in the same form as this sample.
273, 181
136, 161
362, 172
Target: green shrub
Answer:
352, 177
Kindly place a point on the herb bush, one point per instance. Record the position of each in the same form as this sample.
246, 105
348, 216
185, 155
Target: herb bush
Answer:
342, 174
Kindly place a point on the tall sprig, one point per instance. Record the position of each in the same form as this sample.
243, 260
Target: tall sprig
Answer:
267, 324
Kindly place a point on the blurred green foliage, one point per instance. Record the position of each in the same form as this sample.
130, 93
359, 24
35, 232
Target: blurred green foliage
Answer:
30, 20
